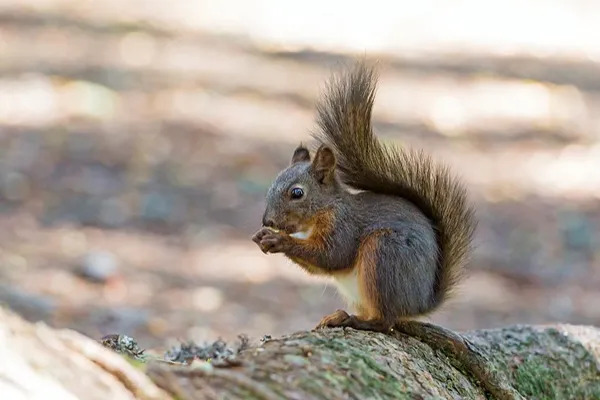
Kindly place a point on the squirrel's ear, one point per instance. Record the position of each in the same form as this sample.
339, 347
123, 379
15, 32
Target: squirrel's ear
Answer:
300, 154
323, 165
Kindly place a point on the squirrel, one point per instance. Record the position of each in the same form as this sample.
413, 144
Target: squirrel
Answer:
397, 244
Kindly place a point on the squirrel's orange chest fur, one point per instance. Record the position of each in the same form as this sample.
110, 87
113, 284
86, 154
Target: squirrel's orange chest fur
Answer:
312, 237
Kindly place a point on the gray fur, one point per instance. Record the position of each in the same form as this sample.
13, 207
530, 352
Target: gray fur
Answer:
344, 118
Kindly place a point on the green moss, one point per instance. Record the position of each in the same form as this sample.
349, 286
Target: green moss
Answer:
538, 379
364, 377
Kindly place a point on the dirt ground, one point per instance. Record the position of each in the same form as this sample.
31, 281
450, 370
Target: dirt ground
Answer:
134, 159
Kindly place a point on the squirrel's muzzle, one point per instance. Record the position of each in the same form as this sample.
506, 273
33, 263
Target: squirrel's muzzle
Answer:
268, 221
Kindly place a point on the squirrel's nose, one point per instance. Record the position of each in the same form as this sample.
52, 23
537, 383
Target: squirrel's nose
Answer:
268, 222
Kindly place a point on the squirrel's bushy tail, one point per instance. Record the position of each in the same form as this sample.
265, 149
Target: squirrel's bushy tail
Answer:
344, 119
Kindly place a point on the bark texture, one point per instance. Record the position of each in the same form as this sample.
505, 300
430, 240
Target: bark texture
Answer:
553, 362
543, 362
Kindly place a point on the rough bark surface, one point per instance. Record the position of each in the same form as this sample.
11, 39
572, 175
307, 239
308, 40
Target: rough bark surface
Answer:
553, 362
545, 362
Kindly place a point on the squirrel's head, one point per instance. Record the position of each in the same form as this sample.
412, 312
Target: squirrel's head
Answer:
302, 190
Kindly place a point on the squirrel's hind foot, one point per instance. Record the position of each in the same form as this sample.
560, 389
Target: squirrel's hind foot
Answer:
341, 319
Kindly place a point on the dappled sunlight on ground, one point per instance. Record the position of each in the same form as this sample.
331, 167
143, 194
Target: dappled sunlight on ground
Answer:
137, 140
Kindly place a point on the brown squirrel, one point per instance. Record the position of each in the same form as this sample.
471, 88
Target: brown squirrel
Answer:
396, 248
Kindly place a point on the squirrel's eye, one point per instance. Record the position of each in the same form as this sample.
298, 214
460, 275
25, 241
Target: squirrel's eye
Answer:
297, 193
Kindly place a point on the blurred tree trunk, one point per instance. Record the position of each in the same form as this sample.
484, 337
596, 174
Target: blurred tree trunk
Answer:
560, 362
38, 362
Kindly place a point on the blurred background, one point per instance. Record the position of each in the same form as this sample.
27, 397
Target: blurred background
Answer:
138, 138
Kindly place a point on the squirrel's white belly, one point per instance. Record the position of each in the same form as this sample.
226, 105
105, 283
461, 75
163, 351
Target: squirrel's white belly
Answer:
347, 285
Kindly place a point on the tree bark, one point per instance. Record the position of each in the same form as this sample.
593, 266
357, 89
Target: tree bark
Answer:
530, 362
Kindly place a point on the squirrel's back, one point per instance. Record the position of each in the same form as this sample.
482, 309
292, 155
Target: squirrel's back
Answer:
344, 119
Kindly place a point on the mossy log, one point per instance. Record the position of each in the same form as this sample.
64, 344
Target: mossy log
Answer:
543, 362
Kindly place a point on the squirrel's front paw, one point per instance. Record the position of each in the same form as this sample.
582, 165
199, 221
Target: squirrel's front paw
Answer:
270, 240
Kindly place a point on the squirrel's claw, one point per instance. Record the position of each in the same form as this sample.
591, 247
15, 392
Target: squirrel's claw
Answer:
256, 238
269, 240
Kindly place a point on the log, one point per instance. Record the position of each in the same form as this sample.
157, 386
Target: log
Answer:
521, 362
38, 362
